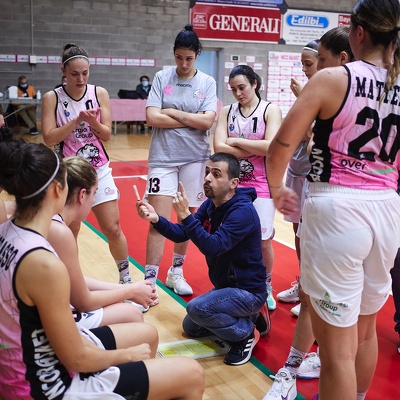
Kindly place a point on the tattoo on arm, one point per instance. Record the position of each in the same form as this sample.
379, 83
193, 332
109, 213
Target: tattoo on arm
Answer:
281, 143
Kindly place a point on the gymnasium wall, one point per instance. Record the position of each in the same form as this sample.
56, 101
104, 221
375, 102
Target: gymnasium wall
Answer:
133, 29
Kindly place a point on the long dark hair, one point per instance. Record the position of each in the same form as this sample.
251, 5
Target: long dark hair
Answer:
248, 72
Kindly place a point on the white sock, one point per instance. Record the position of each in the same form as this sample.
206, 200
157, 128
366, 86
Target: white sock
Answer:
151, 273
361, 396
123, 268
177, 263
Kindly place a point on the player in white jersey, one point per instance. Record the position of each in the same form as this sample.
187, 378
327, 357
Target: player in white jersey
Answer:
42, 353
96, 303
352, 213
76, 119
245, 130
181, 109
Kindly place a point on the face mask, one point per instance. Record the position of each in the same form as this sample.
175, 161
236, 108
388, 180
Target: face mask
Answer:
145, 83
23, 85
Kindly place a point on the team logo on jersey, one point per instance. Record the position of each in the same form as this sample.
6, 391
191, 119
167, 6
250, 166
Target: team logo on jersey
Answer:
90, 153
246, 171
231, 127
199, 95
168, 90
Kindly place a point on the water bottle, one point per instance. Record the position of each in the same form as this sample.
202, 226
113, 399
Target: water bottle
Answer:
38, 95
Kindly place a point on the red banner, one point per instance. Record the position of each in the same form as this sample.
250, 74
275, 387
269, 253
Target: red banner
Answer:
232, 23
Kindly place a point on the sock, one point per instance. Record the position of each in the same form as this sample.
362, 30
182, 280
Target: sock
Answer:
361, 395
123, 268
177, 263
151, 273
294, 360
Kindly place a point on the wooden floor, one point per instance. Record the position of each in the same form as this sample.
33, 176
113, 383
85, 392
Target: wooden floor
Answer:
245, 382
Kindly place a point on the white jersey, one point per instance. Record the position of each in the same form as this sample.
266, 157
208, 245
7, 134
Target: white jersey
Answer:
179, 146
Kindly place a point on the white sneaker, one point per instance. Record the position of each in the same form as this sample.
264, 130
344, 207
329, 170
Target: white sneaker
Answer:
139, 306
296, 310
310, 367
284, 386
178, 283
290, 295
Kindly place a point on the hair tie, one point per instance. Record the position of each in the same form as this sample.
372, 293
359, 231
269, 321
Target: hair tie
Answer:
310, 48
396, 30
47, 183
80, 55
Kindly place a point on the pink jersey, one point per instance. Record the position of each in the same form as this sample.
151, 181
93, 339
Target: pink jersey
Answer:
82, 141
252, 169
359, 146
29, 368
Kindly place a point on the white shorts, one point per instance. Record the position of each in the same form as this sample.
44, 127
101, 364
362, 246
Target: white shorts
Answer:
107, 190
349, 239
88, 320
97, 385
164, 181
266, 212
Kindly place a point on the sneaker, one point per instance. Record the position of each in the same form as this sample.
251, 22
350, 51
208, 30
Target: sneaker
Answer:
284, 386
290, 295
270, 299
296, 310
310, 367
178, 283
139, 306
263, 322
240, 352
315, 397
34, 131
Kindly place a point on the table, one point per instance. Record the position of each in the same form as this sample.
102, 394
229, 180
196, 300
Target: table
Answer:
123, 110
23, 100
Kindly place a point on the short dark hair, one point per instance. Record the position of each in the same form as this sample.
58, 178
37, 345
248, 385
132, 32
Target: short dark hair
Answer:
144, 77
231, 160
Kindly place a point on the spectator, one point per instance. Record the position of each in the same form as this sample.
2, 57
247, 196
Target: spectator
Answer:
27, 113
63, 82
142, 91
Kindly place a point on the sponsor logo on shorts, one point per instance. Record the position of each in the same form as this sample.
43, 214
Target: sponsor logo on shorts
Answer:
108, 191
335, 309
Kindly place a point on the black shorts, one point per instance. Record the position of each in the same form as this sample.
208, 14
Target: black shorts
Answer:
133, 381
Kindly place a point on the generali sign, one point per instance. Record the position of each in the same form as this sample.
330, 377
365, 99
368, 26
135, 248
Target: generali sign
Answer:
233, 23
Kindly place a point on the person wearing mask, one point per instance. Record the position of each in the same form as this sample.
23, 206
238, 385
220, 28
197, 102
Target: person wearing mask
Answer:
142, 91
27, 113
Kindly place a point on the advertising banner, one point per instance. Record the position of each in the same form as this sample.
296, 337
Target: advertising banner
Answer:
300, 27
233, 23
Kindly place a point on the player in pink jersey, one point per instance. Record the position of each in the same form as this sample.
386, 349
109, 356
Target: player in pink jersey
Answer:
76, 119
43, 355
245, 130
351, 229
333, 50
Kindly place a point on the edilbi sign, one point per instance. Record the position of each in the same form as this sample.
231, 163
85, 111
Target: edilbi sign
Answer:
253, 24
